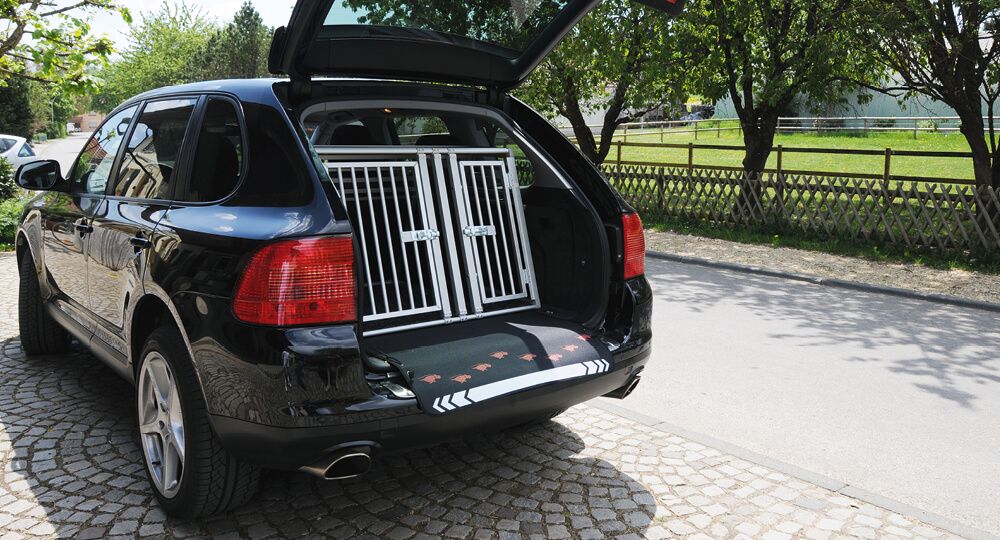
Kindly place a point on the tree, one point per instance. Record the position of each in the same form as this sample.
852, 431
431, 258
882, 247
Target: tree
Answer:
765, 53
161, 52
239, 51
15, 108
949, 51
622, 59
49, 41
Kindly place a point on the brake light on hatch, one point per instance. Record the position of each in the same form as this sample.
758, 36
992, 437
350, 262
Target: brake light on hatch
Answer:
635, 246
299, 282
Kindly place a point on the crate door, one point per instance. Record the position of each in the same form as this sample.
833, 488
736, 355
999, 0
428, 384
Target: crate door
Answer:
492, 232
396, 227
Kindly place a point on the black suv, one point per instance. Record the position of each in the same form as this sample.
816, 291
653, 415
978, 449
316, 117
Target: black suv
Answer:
302, 273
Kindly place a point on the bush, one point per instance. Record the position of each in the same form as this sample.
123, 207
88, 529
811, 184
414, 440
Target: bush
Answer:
929, 125
7, 186
10, 218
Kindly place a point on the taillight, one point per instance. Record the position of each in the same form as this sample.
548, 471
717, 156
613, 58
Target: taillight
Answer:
635, 246
297, 282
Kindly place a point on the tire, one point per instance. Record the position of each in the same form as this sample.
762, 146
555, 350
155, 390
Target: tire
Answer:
211, 480
40, 333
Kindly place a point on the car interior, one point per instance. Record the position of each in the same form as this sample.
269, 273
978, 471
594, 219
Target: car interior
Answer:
560, 232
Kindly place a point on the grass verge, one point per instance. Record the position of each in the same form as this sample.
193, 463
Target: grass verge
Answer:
957, 168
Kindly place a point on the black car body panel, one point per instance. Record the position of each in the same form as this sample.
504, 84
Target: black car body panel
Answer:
283, 397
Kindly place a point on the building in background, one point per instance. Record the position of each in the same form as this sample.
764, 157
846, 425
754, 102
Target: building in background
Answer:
88, 122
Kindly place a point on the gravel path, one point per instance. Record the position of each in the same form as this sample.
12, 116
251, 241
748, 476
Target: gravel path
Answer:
961, 283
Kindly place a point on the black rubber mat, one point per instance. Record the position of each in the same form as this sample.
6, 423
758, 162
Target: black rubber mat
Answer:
457, 365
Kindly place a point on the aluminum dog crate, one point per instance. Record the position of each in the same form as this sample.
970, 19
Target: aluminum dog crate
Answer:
442, 230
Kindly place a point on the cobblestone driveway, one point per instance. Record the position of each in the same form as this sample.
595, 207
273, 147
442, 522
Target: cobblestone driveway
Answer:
70, 467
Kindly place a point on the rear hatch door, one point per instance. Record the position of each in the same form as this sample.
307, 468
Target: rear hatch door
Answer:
492, 43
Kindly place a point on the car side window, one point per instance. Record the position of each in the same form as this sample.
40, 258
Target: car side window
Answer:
93, 167
151, 155
218, 160
26, 151
6, 144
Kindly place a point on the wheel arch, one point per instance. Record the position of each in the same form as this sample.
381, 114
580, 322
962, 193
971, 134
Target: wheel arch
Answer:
23, 246
151, 311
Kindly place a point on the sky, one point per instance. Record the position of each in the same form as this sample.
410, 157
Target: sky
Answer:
274, 12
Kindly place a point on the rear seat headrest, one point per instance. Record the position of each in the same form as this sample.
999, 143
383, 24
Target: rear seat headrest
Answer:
352, 135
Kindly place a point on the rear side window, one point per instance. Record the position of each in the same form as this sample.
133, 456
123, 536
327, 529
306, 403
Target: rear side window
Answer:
149, 165
26, 151
218, 160
278, 171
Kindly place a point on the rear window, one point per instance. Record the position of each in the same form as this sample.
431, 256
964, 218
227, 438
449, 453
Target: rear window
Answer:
510, 24
423, 131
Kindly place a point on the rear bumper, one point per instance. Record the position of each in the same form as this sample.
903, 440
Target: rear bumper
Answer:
399, 424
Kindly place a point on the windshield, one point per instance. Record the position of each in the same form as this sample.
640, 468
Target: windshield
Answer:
511, 24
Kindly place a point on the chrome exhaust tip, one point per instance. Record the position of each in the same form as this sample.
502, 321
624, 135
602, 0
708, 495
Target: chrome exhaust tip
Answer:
342, 464
624, 391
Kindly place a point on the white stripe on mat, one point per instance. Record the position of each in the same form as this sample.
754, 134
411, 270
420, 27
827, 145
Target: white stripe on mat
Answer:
507, 386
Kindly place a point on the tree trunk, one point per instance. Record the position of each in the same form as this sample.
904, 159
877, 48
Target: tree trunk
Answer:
758, 141
584, 136
974, 131
985, 165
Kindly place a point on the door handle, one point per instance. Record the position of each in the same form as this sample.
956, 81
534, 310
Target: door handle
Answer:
140, 242
83, 228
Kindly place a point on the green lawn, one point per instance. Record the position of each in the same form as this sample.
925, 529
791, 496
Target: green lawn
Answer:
958, 168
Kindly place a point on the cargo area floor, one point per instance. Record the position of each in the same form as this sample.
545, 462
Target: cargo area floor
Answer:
458, 365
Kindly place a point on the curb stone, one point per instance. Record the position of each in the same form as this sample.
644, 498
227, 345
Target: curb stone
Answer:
831, 282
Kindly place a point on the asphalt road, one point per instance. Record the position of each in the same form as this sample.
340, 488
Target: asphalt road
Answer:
898, 397
64, 150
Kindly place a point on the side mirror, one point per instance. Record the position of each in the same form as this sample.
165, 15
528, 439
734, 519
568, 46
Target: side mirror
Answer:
671, 7
40, 176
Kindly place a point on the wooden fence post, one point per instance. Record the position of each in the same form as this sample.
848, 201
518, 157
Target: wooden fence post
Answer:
626, 133
661, 203
695, 130
866, 127
663, 128
886, 176
690, 159
915, 124
618, 159
779, 186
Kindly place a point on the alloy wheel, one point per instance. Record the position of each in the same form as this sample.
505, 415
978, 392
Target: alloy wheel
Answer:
161, 424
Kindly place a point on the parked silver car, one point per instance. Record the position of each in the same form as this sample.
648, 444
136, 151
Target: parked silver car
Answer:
16, 150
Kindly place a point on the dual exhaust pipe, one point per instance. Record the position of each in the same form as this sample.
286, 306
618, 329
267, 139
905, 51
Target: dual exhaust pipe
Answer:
342, 464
